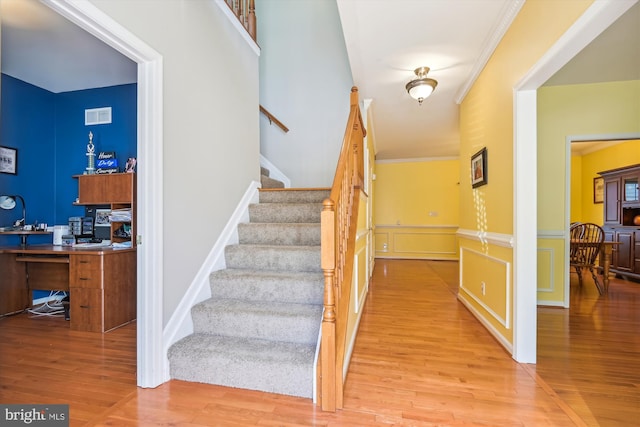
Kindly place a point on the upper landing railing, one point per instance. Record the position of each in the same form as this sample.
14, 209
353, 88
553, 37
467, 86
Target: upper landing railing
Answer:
245, 10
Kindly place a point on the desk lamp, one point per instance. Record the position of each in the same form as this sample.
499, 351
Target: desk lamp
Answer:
9, 202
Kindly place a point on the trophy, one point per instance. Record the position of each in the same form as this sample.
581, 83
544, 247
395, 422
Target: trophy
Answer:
91, 156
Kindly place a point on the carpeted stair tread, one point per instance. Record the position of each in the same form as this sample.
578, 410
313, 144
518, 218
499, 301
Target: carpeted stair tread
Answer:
259, 285
286, 322
273, 257
268, 182
294, 195
274, 367
285, 212
287, 234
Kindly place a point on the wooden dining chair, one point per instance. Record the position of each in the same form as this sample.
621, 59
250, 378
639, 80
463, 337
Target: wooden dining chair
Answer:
585, 245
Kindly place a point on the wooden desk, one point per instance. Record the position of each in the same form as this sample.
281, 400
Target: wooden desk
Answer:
101, 282
24, 234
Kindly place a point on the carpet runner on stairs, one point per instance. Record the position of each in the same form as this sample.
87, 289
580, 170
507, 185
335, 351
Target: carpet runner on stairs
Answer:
259, 329
267, 182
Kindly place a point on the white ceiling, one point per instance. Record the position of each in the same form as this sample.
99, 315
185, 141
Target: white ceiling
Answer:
386, 40
41, 47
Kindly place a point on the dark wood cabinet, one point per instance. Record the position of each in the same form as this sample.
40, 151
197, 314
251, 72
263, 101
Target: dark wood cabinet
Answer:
624, 260
622, 219
611, 201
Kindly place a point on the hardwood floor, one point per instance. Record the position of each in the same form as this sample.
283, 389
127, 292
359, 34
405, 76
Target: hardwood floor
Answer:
421, 359
590, 355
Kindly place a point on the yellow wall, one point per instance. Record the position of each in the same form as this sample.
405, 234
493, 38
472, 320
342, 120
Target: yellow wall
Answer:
586, 168
486, 120
573, 111
416, 209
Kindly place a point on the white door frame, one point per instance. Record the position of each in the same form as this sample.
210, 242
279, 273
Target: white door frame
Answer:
599, 16
150, 356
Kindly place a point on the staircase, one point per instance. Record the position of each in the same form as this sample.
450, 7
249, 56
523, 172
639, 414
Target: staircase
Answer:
259, 330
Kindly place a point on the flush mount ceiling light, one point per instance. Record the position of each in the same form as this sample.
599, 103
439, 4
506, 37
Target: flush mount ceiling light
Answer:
421, 87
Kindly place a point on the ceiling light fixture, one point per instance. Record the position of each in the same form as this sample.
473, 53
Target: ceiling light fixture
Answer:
421, 87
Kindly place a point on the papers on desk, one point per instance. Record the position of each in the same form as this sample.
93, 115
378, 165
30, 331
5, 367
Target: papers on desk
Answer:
121, 245
103, 244
120, 215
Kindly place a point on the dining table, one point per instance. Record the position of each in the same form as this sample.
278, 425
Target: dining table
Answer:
607, 252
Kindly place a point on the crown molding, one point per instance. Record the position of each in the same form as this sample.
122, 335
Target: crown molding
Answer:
417, 160
509, 12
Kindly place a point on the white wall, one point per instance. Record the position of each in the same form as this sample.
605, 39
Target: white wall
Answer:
211, 125
305, 81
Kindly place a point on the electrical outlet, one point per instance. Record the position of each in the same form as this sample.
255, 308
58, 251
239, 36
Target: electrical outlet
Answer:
483, 288
385, 247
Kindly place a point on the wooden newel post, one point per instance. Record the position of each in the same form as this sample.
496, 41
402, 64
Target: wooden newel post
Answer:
328, 345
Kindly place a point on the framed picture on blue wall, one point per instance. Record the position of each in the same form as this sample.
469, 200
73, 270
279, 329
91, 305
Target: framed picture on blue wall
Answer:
8, 160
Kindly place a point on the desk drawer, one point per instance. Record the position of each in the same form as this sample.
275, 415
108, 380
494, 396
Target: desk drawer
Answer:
86, 310
85, 271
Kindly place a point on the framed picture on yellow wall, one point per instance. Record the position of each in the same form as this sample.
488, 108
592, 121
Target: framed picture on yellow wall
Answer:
479, 168
598, 190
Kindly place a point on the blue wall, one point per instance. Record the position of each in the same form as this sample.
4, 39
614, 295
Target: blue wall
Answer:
27, 123
49, 132
72, 136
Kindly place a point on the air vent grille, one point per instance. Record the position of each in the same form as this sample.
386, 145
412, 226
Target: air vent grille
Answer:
97, 116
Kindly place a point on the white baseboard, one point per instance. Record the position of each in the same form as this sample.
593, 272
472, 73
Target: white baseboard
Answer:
180, 324
545, 303
352, 342
493, 331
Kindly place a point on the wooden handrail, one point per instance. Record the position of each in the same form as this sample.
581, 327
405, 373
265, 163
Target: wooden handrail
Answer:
338, 234
245, 10
272, 119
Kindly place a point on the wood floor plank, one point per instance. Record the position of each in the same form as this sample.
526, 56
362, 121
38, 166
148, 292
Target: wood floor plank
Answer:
421, 359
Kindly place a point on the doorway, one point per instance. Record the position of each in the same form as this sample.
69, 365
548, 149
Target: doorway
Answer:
594, 21
150, 188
